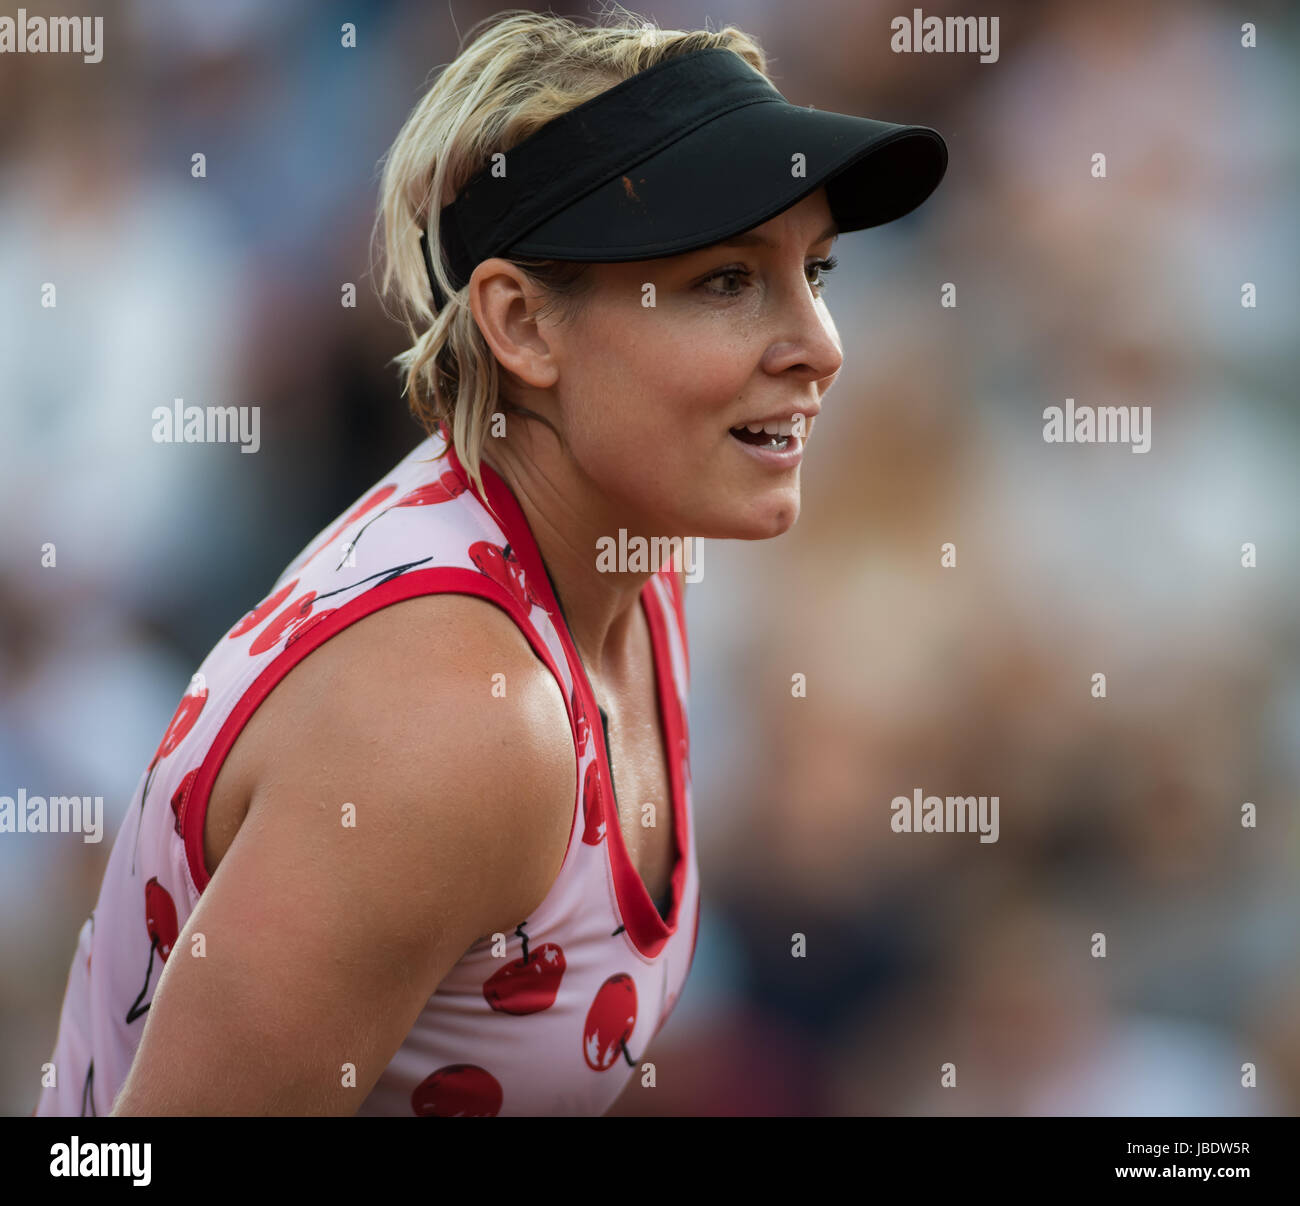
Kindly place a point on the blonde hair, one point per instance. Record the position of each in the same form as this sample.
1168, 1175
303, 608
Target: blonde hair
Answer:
514, 72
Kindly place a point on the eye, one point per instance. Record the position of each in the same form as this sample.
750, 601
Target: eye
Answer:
735, 273
731, 273
822, 268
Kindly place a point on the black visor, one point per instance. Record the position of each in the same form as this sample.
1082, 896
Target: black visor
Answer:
690, 152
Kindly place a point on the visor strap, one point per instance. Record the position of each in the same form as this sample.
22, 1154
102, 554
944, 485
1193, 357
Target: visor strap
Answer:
438, 299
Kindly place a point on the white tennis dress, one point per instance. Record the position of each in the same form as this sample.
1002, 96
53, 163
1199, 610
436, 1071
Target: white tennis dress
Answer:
561, 1022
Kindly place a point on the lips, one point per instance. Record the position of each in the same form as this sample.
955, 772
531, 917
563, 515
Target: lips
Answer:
780, 453
779, 433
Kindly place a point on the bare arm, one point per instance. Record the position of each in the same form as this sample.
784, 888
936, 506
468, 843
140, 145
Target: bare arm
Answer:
323, 940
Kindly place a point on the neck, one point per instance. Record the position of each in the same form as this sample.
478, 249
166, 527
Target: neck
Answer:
568, 515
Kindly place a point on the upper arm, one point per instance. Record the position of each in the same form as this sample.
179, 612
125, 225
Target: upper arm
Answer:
401, 810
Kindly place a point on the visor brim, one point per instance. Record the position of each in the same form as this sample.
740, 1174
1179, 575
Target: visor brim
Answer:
739, 171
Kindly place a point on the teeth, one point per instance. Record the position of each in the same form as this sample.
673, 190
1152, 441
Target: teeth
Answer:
772, 428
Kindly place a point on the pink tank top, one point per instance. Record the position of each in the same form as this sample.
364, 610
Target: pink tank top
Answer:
557, 1023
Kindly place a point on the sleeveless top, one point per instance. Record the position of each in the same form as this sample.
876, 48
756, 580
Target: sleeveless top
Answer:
552, 1018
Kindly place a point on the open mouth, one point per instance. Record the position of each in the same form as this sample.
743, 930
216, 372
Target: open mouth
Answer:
762, 439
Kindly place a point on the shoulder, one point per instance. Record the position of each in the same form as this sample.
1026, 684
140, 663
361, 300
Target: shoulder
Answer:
436, 720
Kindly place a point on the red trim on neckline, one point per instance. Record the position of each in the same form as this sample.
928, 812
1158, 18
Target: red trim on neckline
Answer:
679, 606
670, 724
645, 928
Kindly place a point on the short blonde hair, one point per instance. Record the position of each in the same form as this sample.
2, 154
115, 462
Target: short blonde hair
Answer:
514, 72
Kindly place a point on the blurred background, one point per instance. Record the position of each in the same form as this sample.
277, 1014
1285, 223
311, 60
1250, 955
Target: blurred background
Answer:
1118, 816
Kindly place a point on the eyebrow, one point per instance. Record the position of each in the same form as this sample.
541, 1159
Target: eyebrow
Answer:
751, 239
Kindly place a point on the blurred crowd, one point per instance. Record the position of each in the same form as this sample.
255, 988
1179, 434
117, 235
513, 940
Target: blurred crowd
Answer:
1120, 816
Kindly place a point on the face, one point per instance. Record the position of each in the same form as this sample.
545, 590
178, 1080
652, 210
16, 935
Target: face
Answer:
650, 396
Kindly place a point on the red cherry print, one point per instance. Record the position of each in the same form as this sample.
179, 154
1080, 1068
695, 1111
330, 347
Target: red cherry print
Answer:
502, 566
528, 984
306, 627
261, 611
160, 921
610, 1022
593, 814
447, 487
187, 712
458, 1091
160, 916
365, 507
490, 559
523, 589
290, 617
181, 795
362, 508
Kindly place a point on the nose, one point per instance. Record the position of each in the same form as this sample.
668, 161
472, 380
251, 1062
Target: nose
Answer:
807, 345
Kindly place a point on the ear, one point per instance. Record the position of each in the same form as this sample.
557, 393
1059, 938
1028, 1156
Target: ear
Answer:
504, 305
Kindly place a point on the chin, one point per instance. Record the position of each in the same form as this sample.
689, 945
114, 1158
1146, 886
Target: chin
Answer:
773, 517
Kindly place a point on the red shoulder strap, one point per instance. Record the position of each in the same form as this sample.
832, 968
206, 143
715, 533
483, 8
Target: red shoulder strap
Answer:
441, 580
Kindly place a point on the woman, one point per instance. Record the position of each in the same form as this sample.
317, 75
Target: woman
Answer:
383, 860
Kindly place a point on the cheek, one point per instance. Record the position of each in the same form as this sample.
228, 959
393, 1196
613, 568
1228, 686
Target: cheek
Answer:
648, 375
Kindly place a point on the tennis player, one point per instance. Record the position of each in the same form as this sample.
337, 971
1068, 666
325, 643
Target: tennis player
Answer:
419, 837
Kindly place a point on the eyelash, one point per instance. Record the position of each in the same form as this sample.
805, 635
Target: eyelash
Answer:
823, 267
